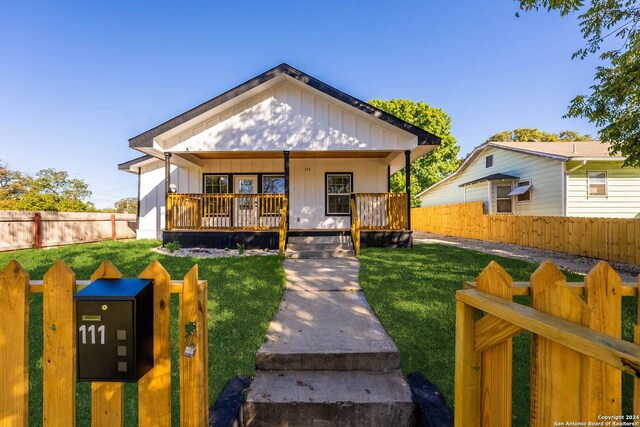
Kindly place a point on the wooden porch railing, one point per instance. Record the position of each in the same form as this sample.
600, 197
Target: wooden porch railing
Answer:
224, 211
355, 228
577, 354
282, 232
381, 211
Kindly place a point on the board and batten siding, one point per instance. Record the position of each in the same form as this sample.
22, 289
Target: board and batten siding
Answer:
623, 191
545, 174
290, 116
152, 200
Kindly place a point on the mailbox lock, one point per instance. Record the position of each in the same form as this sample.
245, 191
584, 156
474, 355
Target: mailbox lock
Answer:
104, 307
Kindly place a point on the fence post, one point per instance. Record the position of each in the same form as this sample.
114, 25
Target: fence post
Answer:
154, 389
550, 386
37, 232
636, 339
106, 397
113, 227
14, 346
59, 328
467, 369
194, 369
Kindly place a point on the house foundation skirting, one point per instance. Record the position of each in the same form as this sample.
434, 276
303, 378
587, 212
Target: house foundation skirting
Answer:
223, 239
386, 239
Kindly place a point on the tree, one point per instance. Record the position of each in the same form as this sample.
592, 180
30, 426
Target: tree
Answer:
127, 205
442, 161
12, 186
527, 134
613, 104
53, 190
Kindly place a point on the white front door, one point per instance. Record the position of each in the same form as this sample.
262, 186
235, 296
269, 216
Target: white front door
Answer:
246, 208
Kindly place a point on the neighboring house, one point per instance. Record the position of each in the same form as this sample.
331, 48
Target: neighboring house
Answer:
281, 148
542, 178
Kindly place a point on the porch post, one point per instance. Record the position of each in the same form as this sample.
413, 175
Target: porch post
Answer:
388, 178
167, 184
407, 168
286, 183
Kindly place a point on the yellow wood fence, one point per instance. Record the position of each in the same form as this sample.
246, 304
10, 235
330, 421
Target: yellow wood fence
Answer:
610, 239
577, 355
59, 372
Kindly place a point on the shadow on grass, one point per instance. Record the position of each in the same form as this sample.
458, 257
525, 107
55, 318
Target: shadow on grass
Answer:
413, 293
244, 294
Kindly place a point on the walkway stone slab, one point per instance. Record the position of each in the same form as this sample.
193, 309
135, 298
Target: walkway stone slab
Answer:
322, 275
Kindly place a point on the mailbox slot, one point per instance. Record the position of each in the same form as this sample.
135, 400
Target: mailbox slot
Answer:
114, 319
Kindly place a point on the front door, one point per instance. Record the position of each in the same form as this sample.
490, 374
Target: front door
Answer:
246, 207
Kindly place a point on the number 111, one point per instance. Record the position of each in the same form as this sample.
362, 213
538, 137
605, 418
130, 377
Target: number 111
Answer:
92, 331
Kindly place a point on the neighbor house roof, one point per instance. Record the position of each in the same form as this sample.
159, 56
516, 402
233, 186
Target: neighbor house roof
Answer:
563, 151
492, 177
145, 139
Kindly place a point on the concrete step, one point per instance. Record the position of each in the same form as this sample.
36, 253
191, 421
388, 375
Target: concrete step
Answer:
319, 239
320, 254
326, 331
328, 399
302, 247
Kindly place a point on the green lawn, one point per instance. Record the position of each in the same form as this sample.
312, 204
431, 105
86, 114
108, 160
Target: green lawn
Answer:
413, 294
244, 294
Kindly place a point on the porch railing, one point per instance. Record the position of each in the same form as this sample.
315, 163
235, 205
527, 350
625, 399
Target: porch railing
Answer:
380, 211
222, 211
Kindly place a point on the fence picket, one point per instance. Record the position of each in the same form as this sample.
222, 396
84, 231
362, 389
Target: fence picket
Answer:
106, 397
59, 328
468, 370
14, 350
550, 294
154, 389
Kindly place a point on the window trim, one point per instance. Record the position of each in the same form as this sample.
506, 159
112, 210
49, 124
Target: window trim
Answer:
530, 192
204, 182
267, 175
218, 211
504, 198
488, 161
606, 185
326, 193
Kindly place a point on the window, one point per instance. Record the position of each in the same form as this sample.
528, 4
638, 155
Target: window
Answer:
338, 189
272, 184
597, 184
216, 184
503, 199
522, 191
488, 161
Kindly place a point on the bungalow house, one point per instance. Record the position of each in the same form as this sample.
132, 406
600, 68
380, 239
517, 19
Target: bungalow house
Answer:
282, 154
542, 178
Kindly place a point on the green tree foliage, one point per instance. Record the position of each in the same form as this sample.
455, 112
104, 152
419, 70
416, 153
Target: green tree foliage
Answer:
48, 190
527, 134
127, 205
613, 104
442, 161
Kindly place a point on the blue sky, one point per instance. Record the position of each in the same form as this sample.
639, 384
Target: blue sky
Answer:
80, 78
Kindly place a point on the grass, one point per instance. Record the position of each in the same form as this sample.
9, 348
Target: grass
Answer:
413, 294
244, 294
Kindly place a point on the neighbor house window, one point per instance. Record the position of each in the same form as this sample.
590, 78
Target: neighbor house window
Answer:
272, 184
488, 161
216, 184
522, 191
338, 188
503, 199
597, 184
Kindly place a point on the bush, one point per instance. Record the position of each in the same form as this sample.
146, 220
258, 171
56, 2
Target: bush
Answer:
173, 246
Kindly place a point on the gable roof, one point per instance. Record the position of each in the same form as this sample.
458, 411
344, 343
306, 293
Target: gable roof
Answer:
145, 139
560, 150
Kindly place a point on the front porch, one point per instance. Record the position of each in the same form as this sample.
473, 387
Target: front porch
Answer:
258, 221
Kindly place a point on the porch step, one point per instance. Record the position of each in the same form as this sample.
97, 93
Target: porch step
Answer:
338, 246
292, 398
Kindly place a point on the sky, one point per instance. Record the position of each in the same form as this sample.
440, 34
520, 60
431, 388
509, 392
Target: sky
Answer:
79, 78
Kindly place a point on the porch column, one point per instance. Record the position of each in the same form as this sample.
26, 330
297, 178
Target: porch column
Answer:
407, 168
286, 183
167, 184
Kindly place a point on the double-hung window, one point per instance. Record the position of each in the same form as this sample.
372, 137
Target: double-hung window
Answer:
338, 187
597, 184
272, 184
504, 201
216, 184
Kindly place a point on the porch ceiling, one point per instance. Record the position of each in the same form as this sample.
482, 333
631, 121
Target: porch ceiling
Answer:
293, 155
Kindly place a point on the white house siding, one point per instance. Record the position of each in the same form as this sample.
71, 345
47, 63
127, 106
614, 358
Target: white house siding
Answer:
290, 116
623, 191
152, 203
545, 174
307, 189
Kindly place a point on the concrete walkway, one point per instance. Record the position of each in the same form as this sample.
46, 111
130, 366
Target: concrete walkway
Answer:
574, 263
327, 360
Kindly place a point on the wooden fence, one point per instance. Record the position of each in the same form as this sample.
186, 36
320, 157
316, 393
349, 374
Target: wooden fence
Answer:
611, 239
22, 230
577, 356
59, 372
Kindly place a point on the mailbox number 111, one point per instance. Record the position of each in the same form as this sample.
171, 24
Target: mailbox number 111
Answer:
92, 332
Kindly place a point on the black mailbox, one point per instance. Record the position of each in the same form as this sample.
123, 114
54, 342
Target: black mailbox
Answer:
114, 320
